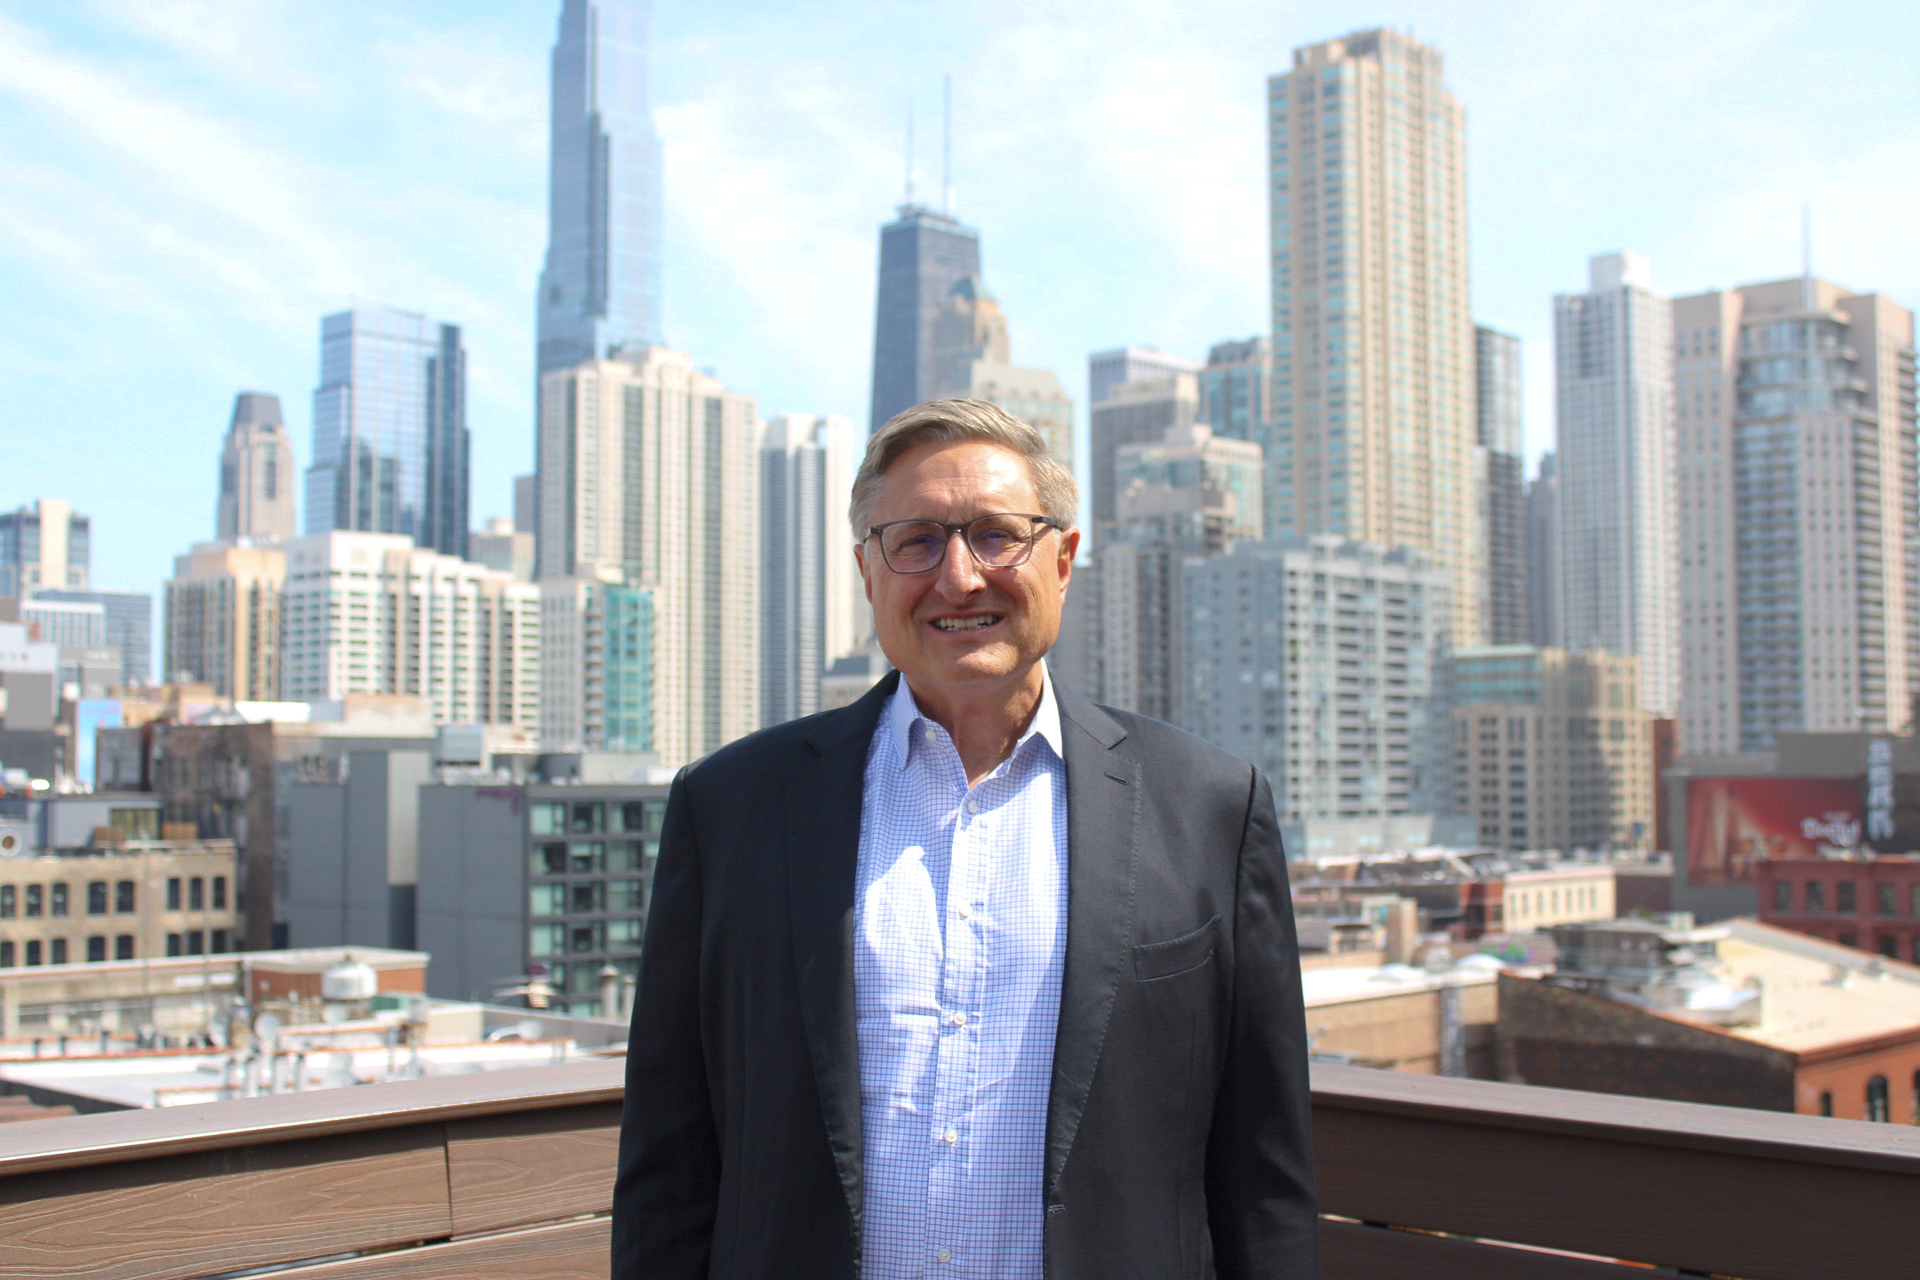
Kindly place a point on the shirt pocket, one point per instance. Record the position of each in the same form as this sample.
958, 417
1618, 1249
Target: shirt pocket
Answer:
1174, 956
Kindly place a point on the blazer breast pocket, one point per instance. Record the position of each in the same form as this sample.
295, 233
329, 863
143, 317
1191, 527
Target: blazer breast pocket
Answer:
1176, 955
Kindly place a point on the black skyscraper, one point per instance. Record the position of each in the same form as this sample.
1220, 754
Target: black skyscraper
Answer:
922, 255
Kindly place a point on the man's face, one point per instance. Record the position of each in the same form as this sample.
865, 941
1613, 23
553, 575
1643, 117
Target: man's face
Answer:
1007, 618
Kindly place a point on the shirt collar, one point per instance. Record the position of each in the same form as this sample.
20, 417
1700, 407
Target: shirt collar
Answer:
903, 713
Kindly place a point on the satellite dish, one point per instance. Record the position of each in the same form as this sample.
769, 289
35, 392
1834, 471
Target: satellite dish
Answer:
267, 1027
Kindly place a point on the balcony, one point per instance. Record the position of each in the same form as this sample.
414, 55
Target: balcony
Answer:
509, 1174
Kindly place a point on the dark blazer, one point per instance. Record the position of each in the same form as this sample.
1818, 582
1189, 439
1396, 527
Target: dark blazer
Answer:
1177, 1126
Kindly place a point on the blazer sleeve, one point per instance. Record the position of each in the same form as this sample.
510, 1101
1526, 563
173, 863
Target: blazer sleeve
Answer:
1263, 1214
669, 1170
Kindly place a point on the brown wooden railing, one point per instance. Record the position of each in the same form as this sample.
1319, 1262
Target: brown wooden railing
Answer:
508, 1174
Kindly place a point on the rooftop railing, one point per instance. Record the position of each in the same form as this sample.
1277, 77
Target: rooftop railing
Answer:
509, 1174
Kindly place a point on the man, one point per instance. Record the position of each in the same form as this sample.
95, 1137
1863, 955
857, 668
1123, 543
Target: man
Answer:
971, 978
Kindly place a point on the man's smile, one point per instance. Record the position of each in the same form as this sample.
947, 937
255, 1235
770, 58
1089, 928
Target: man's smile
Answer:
974, 623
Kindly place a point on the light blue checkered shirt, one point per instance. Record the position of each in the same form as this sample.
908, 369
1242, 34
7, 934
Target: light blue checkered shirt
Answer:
958, 950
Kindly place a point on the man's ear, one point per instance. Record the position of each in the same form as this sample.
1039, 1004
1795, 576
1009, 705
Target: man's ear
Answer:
866, 577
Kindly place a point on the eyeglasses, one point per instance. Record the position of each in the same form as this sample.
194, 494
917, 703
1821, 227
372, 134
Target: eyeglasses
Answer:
998, 541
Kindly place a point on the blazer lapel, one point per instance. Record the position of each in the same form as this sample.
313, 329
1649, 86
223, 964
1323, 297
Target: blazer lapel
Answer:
1103, 799
822, 806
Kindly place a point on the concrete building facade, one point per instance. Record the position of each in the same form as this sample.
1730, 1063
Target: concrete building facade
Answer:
120, 901
223, 620
1373, 343
1138, 411
1322, 662
812, 608
1613, 448
1800, 539
44, 544
649, 469
371, 613
1552, 750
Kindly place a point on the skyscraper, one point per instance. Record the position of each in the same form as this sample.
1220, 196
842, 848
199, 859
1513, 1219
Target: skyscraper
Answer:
1543, 555
256, 472
129, 626
1138, 411
43, 544
1191, 493
1373, 414
1108, 369
1503, 498
649, 475
1613, 444
223, 619
811, 604
1800, 530
972, 360
923, 254
390, 444
600, 287
1234, 386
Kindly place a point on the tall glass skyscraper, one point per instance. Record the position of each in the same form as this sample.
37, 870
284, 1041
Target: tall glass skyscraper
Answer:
923, 254
390, 443
600, 287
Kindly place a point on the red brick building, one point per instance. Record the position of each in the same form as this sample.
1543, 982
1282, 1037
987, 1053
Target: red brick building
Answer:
1869, 903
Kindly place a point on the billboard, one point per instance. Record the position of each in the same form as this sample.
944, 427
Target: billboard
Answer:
1733, 823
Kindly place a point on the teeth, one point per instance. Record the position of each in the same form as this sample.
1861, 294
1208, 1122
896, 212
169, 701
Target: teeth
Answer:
966, 624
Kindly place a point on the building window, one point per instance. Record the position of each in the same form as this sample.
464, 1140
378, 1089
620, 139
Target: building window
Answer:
1845, 902
1877, 1100
588, 897
1848, 939
96, 897
219, 893
547, 818
123, 897
1826, 1104
9, 901
197, 894
173, 944
629, 815
36, 901
96, 950
33, 952
1816, 897
589, 858
196, 942
6, 962
1883, 900
57, 951
173, 893
1783, 895
1889, 946
59, 896
123, 947
590, 935
587, 816
219, 946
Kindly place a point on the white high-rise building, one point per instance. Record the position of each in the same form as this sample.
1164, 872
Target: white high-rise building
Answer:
1317, 659
812, 609
373, 613
1373, 432
1799, 535
649, 474
1613, 430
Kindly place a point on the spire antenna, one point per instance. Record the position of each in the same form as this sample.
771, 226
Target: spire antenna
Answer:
910, 192
946, 147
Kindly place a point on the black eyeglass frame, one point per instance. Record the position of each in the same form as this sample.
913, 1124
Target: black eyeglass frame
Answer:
966, 539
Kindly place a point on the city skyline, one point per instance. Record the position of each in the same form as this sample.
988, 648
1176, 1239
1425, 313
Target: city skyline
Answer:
475, 81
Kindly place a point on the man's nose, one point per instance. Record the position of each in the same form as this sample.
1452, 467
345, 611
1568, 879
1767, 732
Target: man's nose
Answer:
959, 571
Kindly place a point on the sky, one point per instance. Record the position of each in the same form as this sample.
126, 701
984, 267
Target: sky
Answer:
187, 186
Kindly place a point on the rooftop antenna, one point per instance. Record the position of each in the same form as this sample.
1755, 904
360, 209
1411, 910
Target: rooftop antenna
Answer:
1806, 257
946, 147
909, 151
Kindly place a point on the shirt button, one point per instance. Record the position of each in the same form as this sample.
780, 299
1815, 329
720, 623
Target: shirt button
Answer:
958, 1019
950, 1137
966, 913
973, 806
945, 1255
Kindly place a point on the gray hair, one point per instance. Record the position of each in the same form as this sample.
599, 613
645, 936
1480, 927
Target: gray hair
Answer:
956, 422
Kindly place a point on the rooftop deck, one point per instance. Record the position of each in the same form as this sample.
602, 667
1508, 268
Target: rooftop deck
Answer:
509, 1174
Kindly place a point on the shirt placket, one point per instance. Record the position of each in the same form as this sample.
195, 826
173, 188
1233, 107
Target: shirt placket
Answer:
955, 1077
